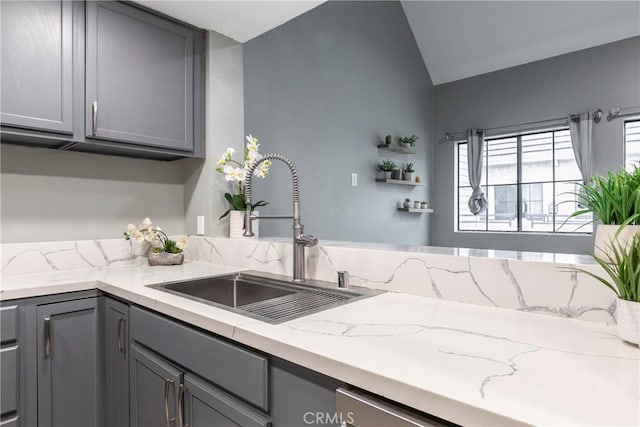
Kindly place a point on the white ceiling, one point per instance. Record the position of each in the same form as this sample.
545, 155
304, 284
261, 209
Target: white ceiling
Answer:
239, 19
457, 39
460, 39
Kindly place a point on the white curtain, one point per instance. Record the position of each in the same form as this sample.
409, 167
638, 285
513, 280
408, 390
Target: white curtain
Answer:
581, 129
475, 153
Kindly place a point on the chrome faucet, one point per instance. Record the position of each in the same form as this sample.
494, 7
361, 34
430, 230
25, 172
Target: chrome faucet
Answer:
300, 240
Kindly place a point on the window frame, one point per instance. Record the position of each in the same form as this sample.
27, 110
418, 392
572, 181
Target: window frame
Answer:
518, 184
632, 119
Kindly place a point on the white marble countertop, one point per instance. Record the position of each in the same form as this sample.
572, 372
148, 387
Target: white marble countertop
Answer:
473, 365
554, 257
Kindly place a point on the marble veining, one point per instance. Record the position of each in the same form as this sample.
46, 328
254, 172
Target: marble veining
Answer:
471, 364
540, 287
519, 281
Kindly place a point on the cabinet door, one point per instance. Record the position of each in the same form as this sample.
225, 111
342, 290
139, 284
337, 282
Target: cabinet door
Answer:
153, 389
68, 364
117, 360
139, 77
36, 57
207, 406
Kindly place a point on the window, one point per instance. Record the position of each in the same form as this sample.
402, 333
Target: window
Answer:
632, 143
530, 181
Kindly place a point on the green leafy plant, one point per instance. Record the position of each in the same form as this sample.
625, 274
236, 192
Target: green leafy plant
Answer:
409, 167
387, 166
411, 140
388, 139
613, 199
237, 203
407, 200
624, 273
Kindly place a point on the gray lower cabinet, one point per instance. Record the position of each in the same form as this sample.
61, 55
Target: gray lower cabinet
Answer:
68, 364
37, 65
153, 389
163, 395
9, 366
116, 341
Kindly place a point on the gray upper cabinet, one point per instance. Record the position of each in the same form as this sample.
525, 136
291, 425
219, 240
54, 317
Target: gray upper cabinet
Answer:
139, 77
68, 352
37, 65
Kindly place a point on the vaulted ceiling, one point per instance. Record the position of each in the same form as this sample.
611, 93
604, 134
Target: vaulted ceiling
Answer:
457, 39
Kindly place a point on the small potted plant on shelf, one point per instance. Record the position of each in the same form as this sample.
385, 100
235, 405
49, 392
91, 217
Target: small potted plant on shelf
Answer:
386, 167
624, 280
388, 140
416, 204
407, 141
408, 172
613, 199
407, 203
396, 173
163, 251
423, 205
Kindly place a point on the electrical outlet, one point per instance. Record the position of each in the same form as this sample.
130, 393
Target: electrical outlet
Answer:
354, 179
200, 225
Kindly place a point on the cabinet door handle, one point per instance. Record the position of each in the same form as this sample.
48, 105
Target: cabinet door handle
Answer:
167, 416
94, 118
120, 327
181, 409
47, 337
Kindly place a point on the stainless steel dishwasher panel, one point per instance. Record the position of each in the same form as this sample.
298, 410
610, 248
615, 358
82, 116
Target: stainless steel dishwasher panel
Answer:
360, 410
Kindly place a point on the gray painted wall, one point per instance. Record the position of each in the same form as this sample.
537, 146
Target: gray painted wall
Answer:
52, 195
324, 89
602, 77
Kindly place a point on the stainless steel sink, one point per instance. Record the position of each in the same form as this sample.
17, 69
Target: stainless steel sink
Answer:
268, 297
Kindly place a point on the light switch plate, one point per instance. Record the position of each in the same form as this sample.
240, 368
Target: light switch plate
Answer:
354, 179
200, 225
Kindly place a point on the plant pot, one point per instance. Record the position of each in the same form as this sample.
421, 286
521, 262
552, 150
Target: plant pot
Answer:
165, 258
628, 320
423, 205
406, 145
408, 176
236, 225
605, 234
396, 174
386, 174
416, 205
407, 205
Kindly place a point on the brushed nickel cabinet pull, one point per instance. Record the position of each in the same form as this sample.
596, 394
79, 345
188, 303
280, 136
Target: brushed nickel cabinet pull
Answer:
167, 416
120, 327
47, 337
181, 421
94, 117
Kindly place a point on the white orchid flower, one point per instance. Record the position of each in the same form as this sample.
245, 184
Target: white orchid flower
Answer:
130, 228
229, 153
222, 160
137, 235
182, 241
251, 139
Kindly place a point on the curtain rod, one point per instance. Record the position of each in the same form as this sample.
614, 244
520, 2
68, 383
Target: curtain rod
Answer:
597, 116
616, 112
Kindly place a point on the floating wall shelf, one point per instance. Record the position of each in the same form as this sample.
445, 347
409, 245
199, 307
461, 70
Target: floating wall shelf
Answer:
397, 149
414, 210
400, 181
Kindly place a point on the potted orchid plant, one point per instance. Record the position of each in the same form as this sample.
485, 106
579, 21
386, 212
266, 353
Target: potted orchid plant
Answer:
163, 251
236, 172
